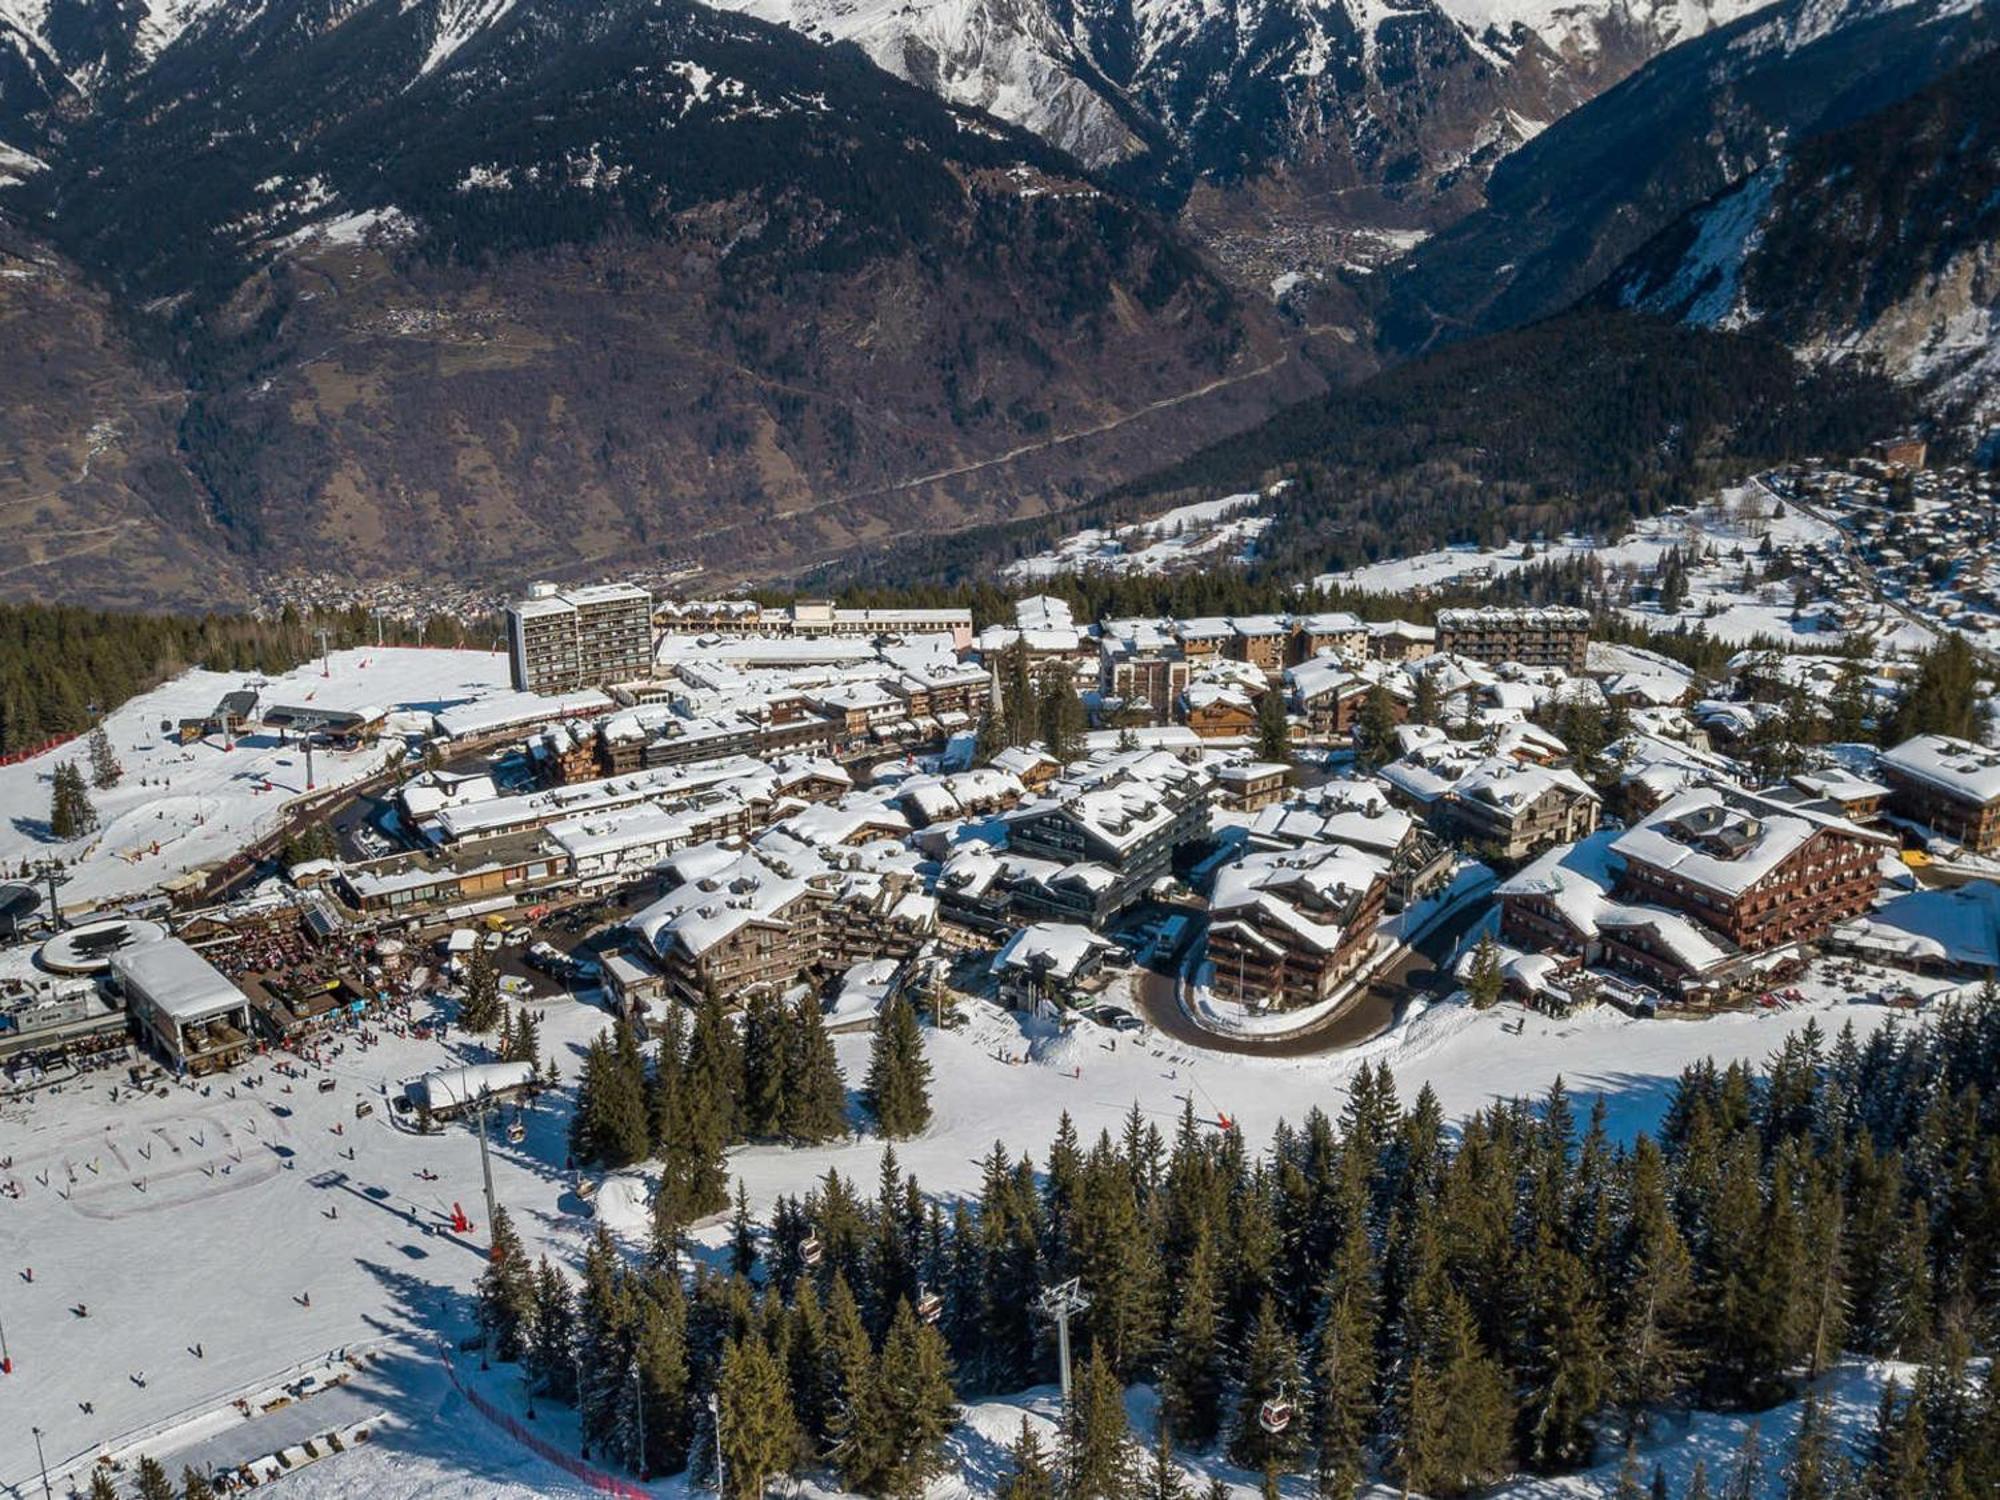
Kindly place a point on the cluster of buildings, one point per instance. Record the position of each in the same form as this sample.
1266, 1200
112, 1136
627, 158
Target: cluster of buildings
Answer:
796, 795
1927, 538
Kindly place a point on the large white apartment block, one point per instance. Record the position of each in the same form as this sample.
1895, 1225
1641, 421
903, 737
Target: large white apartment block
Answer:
563, 639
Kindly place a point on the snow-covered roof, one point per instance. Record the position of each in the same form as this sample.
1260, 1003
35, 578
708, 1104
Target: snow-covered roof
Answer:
1296, 888
1954, 766
1724, 842
451, 1088
1958, 926
1577, 880
1057, 950
177, 980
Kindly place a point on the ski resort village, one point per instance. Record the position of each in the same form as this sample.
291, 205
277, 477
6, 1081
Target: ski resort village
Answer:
703, 1042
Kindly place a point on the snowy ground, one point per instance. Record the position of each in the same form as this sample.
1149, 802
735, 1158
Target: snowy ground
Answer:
182, 806
232, 1226
1204, 533
1725, 534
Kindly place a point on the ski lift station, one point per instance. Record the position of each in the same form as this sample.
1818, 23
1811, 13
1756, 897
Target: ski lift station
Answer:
452, 1091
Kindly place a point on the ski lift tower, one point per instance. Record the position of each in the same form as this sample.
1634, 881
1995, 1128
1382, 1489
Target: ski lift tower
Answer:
1061, 1303
486, 1171
51, 872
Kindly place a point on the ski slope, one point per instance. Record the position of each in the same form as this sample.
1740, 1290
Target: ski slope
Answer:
199, 1219
179, 807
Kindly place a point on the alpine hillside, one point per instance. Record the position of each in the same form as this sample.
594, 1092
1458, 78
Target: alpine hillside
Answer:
1879, 242
500, 289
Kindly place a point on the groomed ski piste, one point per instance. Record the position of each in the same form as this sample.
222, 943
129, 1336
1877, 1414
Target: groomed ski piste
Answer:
228, 1242
179, 807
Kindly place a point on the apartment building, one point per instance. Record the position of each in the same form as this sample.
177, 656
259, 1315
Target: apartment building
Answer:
563, 639
1548, 636
1758, 872
1951, 786
1288, 927
1128, 824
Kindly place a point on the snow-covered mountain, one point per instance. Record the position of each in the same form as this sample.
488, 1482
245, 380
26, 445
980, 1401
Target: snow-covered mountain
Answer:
1563, 213
1877, 243
1104, 78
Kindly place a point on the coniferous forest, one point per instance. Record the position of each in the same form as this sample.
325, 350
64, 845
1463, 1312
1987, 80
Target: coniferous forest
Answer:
1435, 1305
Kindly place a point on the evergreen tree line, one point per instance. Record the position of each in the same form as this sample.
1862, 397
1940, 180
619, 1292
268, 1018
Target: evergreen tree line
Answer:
61, 665
1044, 707
1442, 1310
711, 1086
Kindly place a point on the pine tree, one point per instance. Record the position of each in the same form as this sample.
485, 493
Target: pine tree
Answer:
760, 1432
1269, 1375
1061, 715
101, 1487
1808, 1476
858, 1448
550, 1356
661, 1360
1029, 1477
1164, 1480
195, 1486
765, 1024
610, 1127
1629, 1487
1746, 1477
605, 1322
742, 1235
105, 770
153, 1481
1568, 1359
506, 1291
1483, 980
1655, 1293
1345, 1368
1425, 707
815, 1093
527, 1045
914, 1409
480, 1010
1375, 729
1191, 1377
1455, 1411
70, 814
1274, 732
898, 1084
1097, 1446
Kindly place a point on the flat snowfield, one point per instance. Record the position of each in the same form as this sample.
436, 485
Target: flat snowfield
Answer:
206, 1221
181, 806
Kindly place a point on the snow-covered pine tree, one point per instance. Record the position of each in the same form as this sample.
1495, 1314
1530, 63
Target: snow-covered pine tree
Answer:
105, 771
899, 1075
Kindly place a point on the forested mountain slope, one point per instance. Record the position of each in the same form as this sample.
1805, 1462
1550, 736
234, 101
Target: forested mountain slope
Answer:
1879, 242
1566, 209
615, 280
